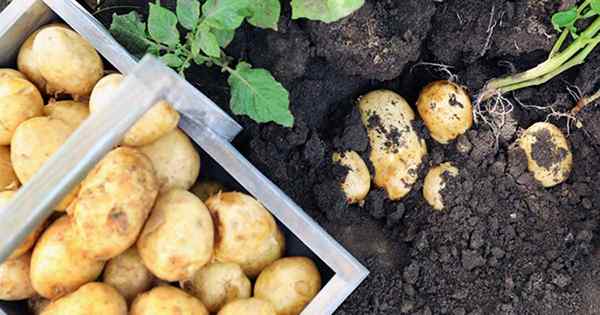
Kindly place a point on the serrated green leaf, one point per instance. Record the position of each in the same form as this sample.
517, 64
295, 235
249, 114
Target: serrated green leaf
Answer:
324, 10
162, 25
564, 18
255, 93
207, 42
226, 14
188, 13
224, 37
265, 13
130, 31
172, 60
595, 4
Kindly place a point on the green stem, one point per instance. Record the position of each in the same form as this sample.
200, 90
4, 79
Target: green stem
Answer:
116, 7
563, 36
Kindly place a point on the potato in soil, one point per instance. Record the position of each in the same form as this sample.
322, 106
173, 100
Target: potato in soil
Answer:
251, 306
357, 182
128, 274
20, 100
91, 299
14, 279
27, 244
166, 300
71, 112
435, 182
8, 178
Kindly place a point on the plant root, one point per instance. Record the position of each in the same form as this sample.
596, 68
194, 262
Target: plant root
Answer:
492, 113
438, 67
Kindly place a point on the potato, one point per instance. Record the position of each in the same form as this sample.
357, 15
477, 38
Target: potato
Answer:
37, 304
246, 232
71, 112
435, 181
252, 306
217, 284
167, 300
67, 62
113, 204
157, 122
128, 275
6, 72
27, 244
357, 183
548, 153
178, 238
207, 188
289, 284
58, 269
175, 160
446, 110
33, 144
14, 279
396, 150
91, 299
8, 178
20, 100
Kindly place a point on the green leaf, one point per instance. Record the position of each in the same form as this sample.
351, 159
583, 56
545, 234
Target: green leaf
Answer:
130, 31
324, 10
172, 60
207, 42
226, 14
162, 25
564, 18
265, 13
188, 13
595, 4
255, 93
224, 37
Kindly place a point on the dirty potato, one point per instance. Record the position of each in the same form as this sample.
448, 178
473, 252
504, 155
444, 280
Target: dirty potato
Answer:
128, 275
71, 112
20, 100
91, 299
206, 189
166, 300
357, 183
14, 279
435, 181
8, 178
251, 306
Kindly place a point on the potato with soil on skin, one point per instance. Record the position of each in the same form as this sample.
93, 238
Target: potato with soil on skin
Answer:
113, 204
161, 119
175, 160
11, 73
548, 153
397, 151
8, 178
435, 182
446, 110
206, 189
289, 284
217, 284
27, 244
178, 238
91, 299
14, 279
128, 275
357, 183
246, 233
166, 300
20, 100
58, 269
71, 112
251, 306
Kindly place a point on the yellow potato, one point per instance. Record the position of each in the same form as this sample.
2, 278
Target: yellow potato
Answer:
8, 178
548, 153
357, 183
14, 279
33, 143
27, 244
113, 204
207, 188
175, 160
157, 122
435, 182
252, 306
397, 151
217, 284
58, 269
128, 275
91, 299
178, 238
246, 232
20, 100
446, 110
167, 300
289, 284
7, 72
71, 112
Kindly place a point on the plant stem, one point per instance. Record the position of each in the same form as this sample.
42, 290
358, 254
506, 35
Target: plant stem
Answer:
563, 36
116, 7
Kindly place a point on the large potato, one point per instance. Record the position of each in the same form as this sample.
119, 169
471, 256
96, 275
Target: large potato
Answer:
157, 122
435, 182
217, 284
548, 153
20, 100
8, 178
114, 202
397, 151
178, 238
289, 284
91, 299
246, 232
128, 275
167, 300
71, 112
27, 244
58, 269
33, 143
357, 183
206, 189
175, 160
14, 279
7, 72
252, 306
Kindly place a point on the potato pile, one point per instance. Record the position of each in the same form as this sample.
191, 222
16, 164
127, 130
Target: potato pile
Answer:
131, 237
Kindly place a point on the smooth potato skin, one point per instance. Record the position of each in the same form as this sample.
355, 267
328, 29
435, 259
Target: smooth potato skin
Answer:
14, 279
71, 112
7, 72
128, 275
357, 183
91, 299
8, 178
251, 306
166, 300
5, 197
434, 183
20, 100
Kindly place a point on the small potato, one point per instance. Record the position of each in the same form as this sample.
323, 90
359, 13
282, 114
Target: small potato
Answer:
157, 122
58, 269
357, 183
113, 204
71, 112
178, 238
8, 178
14, 279
548, 153
128, 275
435, 181
27, 244
217, 284
6, 72
446, 110
252, 306
20, 100
206, 189
91, 299
289, 284
246, 232
167, 300
397, 151
175, 160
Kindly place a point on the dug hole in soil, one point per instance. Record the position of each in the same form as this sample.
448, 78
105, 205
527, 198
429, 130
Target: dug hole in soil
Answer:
504, 244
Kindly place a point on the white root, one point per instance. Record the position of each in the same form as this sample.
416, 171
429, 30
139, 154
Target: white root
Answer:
438, 67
